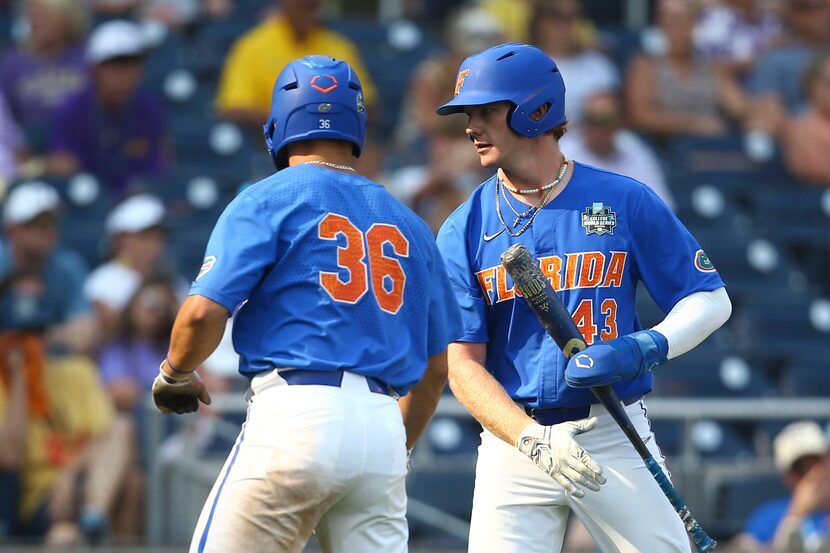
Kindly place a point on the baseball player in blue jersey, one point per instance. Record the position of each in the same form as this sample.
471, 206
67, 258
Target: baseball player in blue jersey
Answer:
343, 305
596, 234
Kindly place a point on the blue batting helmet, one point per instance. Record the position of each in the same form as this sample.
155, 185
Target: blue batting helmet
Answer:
315, 97
515, 72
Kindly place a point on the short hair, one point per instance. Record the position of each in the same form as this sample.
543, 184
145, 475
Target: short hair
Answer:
559, 130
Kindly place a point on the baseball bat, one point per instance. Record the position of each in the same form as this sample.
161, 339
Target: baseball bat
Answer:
557, 321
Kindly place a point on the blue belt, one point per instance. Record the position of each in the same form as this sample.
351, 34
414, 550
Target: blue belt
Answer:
332, 378
555, 415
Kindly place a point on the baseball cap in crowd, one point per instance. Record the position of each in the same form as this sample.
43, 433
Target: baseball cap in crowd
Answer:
136, 214
798, 440
28, 200
473, 30
115, 39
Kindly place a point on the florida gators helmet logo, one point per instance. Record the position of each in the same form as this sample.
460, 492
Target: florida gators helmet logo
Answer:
459, 82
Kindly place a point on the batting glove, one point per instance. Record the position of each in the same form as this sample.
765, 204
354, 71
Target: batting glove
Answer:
623, 358
179, 395
555, 451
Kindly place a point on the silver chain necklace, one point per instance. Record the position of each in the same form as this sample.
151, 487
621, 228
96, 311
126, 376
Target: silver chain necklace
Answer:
548, 186
330, 164
519, 216
534, 208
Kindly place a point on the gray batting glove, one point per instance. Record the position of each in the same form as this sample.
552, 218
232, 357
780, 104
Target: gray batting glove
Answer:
179, 395
555, 451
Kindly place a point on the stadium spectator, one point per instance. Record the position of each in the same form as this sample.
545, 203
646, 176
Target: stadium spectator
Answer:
433, 190
128, 364
558, 28
672, 90
513, 15
600, 140
137, 237
56, 394
735, 33
470, 30
113, 129
11, 143
806, 138
41, 284
38, 76
13, 416
777, 82
801, 522
77, 456
779, 74
295, 31
180, 13
114, 9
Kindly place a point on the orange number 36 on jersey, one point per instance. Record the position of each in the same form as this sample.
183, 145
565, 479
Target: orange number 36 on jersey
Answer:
384, 273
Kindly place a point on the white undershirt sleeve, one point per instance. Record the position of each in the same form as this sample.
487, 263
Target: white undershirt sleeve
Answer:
693, 319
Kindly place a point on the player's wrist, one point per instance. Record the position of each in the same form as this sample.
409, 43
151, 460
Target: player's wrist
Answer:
171, 374
653, 348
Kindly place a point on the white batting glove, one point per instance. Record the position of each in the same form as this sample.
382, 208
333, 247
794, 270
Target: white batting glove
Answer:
179, 395
555, 451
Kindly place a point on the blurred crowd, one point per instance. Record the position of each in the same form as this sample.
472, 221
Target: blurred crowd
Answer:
79, 345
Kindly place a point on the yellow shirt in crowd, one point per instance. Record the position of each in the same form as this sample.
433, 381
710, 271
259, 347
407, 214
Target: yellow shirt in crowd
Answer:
79, 410
258, 57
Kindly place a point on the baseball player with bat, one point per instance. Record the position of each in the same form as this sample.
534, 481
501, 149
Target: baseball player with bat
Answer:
342, 306
548, 447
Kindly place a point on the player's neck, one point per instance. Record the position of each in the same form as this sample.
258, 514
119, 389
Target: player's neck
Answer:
328, 152
535, 173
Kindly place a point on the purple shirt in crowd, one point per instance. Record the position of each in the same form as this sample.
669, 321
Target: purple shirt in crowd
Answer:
10, 140
116, 147
35, 86
134, 360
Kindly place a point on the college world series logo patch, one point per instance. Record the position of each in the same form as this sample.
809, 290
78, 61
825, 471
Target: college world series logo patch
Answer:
599, 219
703, 263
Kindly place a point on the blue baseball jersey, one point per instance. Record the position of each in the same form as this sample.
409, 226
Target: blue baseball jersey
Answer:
600, 236
332, 273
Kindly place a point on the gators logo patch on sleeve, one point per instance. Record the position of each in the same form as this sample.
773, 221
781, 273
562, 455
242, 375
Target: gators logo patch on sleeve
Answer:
703, 263
207, 265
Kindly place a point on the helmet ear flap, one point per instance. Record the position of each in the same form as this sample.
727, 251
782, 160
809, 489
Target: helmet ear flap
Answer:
268, 130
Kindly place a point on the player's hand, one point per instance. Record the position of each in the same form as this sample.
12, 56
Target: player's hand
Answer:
623, 358
179, 395
555, 451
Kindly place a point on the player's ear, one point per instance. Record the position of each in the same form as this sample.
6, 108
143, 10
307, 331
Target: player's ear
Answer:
540, 112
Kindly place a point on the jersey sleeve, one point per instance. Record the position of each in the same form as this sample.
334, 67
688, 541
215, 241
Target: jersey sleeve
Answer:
452, 245
444, 314
241, 248
667, 257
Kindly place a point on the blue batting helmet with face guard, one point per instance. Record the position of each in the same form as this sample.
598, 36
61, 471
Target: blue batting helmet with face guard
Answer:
315, 97
517, 73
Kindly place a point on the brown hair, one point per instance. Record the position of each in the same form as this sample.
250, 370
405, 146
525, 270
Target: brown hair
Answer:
559, 130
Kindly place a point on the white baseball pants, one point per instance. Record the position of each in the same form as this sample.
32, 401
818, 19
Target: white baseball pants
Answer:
517, 508
311, 456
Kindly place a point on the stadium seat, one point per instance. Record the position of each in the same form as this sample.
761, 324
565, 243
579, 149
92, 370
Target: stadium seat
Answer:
719, 156
805, 375
390, 60
448, 489
735, 500
708, 371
